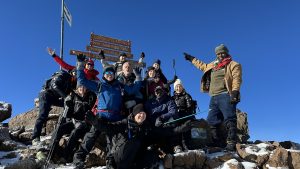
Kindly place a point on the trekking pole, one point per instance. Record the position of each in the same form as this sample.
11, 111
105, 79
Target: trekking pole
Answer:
184, 117
60, 121
173, 64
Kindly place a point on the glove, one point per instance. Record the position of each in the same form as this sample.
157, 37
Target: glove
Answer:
235, 97
175, 77
158, 122
142, 55
137, 72
101, 54
80, 57
68, 101
188, 57
91, 118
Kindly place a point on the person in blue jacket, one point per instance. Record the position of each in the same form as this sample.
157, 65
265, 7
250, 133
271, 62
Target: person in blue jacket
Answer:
110, 98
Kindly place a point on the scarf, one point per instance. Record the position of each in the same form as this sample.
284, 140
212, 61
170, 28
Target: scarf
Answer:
220, 64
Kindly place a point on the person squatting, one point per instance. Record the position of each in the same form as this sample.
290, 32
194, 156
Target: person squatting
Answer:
137, 115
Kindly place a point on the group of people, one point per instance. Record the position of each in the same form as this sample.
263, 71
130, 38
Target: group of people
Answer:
139, 116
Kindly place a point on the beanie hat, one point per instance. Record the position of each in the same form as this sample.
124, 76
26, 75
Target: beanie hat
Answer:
109, 69
221, 48
150, 68
90, 61
123, 54
137, 109
177, 82
157, 61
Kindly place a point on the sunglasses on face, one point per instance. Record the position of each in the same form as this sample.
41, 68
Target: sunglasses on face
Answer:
109, 73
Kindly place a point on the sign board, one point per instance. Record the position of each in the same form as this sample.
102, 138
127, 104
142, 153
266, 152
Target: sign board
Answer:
111, 47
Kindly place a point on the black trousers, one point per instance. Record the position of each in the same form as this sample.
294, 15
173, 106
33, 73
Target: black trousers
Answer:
46, 100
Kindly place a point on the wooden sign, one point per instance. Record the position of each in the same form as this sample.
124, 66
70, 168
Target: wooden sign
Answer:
111, 47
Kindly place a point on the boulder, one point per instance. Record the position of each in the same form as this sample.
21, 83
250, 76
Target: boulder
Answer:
258, 154
216, 160
189, 159
4, 134
233, 164
279, 158
5, 111
294, 159
96, 157
242, 126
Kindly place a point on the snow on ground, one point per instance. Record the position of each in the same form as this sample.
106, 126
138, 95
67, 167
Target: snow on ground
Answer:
259, 149
215, 155
249, 165
226, 164
268, 167
6, 161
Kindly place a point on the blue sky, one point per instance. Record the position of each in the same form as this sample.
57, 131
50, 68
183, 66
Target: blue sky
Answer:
261, 35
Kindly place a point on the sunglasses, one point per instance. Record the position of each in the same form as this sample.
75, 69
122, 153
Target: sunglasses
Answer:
109, 73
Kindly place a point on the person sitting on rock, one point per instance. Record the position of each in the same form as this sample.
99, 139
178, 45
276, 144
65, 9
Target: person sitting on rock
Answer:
185, 109
132, 137
77, 104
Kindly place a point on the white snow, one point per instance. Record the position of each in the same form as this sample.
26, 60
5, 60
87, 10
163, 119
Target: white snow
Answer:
6, 161
215, 155
249, 165
259, 149
3, 106
226, 164
291, 150
268, 167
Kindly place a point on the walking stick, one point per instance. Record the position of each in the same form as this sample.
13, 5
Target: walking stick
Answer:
61, 119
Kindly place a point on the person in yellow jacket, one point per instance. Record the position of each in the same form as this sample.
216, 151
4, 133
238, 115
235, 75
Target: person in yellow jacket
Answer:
222, 79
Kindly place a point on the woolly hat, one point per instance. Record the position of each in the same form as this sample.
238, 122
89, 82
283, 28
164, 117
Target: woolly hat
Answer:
109, 68
150, 68
177, 82
157, 61
90, 61
123, 54
137, 109
221, 48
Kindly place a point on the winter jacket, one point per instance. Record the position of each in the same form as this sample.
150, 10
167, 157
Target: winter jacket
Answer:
184, 103
164, 108
89, 74
80, 105
126, 80
233, 75
61, 84
109, 94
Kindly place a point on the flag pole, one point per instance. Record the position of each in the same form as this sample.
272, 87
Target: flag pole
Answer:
62, 31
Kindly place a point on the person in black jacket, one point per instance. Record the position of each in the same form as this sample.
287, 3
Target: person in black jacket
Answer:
78, 102
132, 136
185, 109
54, 92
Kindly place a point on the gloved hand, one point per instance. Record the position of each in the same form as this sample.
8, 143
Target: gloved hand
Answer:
175, 77
188, 57
158, 122
101, 54
235, 97
68, 101
138, 73
91, 118
80, 57
51, 52
142, 55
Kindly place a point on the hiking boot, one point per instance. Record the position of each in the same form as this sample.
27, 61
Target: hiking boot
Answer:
36, 141
178, 149
230, 146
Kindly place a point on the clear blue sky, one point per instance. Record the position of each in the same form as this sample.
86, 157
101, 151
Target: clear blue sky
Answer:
262, 35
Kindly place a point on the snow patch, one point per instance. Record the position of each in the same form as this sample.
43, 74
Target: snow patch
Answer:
226, 164
268, 167
215, 155
258, 150
292, 150
249, 165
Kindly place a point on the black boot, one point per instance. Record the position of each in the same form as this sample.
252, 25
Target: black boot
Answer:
231, 136
215, 137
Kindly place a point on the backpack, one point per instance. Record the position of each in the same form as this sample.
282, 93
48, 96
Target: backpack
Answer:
47, 83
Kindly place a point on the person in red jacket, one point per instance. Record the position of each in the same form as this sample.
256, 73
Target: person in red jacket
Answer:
89, 71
